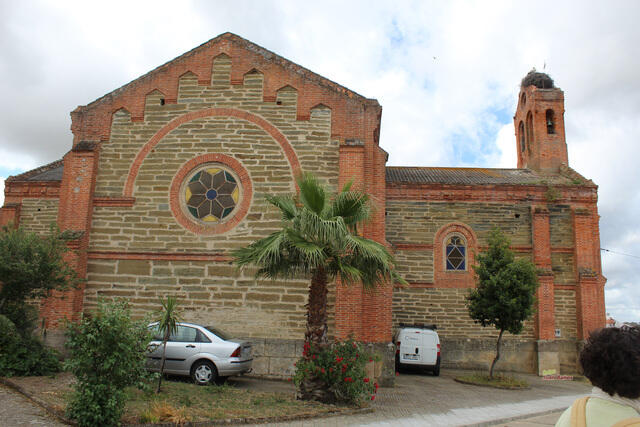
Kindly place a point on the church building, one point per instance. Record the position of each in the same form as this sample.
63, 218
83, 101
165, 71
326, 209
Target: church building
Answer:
167, 174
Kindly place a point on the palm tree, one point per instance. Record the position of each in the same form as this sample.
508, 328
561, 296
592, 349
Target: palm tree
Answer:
319, 240
167, 325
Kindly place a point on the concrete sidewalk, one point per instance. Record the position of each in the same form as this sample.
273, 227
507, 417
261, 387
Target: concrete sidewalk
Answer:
424, 400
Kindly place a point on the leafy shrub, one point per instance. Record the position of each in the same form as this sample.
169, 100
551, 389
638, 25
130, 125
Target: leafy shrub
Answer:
24, 316
340, 366
107, 354
24, 354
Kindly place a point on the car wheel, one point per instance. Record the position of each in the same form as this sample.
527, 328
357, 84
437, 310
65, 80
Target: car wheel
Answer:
203, 372
436, 369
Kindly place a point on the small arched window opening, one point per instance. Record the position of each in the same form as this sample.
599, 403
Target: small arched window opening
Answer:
521, 136
456, 253
529, 132
523, 99
551, 123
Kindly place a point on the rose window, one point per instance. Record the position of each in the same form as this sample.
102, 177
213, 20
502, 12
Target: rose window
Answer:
211, 194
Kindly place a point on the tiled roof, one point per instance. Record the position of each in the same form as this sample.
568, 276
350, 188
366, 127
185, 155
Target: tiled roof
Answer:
50, 172
472, 176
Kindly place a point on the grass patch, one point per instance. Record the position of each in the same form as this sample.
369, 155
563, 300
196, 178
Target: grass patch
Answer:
181, 402
498, 381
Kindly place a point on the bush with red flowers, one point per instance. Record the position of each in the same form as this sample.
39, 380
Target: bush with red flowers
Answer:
340, 368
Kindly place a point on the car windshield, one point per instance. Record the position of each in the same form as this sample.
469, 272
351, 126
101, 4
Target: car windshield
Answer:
221, 334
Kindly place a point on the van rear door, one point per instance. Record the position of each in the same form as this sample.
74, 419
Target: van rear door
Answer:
429, 348
411, 346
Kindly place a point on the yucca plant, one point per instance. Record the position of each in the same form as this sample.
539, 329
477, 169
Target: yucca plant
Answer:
167, 325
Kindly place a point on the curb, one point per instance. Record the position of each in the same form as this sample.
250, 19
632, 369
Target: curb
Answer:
227, 421
514, 418
491, 386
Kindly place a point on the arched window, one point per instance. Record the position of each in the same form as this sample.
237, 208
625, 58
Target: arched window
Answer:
551, 124
529, 130
521, 136
456, 253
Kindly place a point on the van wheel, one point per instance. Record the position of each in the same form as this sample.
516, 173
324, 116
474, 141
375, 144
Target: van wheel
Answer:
436, 369
204, 372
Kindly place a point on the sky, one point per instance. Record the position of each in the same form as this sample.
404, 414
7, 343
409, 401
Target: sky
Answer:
446, 73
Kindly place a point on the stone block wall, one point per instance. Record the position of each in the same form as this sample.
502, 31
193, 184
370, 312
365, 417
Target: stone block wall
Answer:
208, 293
37, 215
565, 313
516, 354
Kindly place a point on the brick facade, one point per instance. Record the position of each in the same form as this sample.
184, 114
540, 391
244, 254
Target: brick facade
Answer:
229, 102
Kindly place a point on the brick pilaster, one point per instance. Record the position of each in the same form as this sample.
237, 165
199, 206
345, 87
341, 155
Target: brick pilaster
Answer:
376, 304
74, 214
590, 293
544, 318
349, 298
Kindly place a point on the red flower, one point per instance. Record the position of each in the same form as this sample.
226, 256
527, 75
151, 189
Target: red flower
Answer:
375, 385
338, 359
313, 356
373, 397
370, 360
322, 370
348, 379
330, 369
366, 380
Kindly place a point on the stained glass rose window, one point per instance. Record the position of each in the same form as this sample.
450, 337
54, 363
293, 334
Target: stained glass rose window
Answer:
211, 193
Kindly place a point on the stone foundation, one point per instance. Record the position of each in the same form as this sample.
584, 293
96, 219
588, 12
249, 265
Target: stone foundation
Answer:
478, 353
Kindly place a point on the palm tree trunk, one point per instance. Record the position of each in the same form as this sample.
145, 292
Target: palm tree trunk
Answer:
317, 309
497, 354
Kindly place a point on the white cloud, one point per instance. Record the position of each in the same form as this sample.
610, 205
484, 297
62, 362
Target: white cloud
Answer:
446, 73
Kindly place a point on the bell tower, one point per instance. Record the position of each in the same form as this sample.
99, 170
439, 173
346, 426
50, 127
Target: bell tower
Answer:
539, 124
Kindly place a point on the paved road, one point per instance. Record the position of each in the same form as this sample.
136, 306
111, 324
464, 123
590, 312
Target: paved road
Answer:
424, 400
17, 411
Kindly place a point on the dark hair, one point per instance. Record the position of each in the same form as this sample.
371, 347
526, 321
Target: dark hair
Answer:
611, 360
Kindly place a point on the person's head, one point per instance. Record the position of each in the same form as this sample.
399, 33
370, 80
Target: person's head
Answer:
611, 360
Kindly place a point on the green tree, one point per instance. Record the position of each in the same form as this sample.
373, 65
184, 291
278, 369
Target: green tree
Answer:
319, 240
167, 325
30, 267
107, 353
505, 290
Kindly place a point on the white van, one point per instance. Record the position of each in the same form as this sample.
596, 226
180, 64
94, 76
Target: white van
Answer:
418, 346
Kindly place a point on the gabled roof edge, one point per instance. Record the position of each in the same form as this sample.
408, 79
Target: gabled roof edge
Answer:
267, 54
33, 172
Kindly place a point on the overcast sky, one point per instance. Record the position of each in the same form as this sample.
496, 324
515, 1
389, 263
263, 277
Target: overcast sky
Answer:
446, 73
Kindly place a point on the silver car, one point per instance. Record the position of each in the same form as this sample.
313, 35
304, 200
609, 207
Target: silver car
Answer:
204, 353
